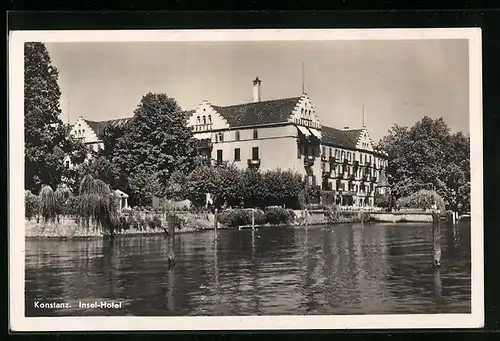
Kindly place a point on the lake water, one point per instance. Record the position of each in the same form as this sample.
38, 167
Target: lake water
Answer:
338, 269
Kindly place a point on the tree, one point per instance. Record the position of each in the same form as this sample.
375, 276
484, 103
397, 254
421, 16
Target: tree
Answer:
156, 141
46, 137
427, 156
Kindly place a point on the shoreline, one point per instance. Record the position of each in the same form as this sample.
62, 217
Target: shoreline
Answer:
68, 229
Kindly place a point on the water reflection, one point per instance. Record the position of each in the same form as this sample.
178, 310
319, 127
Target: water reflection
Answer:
341, 269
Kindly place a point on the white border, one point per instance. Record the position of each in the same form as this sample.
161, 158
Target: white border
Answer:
16, 219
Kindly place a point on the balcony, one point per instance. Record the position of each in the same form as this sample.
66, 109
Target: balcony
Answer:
308, 161
253, 163
204, 144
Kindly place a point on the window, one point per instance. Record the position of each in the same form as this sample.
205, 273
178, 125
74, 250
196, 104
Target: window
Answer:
83, 131
198, 119
255, 134
210, 119
349, 156
330, 152
237, 135
323, 151
204, 119
343, 155
255, 153
237, 154
298, 152
220, 137
219, 156
67, 164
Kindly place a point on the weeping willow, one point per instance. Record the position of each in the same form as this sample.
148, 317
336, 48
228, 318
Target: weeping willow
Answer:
47, 203
97, 204
62, 196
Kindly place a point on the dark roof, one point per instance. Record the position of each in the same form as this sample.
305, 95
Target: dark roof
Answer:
353, 134
99, 126
257, 113
336, 137
382, 180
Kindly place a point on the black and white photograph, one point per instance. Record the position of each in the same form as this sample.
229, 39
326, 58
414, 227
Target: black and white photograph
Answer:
245, 179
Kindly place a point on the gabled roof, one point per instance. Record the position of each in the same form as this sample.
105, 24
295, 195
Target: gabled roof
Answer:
336, 137
257, 113
99, 126
382, 180
354, 134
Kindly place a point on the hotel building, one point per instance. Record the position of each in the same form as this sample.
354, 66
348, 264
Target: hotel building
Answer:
282, 133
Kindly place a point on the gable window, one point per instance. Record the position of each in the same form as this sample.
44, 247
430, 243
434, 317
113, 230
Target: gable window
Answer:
255, 134
204, 119
219, 156
255, 153
237, 135
209, 119
198, 119
237, 156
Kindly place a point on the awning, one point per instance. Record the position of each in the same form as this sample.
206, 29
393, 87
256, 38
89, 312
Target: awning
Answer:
304, 130
203, 136
315, 133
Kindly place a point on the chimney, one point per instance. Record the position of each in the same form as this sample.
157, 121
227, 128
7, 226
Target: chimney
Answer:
256, 89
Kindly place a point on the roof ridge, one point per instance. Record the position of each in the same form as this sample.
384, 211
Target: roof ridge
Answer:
266, 101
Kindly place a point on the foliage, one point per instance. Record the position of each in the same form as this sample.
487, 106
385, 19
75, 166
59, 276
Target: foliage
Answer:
423, 199
103, 169
175, 186
46, 137
47, 203
428, 156
30, 205
156, 143
62, 197
383, 200
278, 215
271, 215
98, 205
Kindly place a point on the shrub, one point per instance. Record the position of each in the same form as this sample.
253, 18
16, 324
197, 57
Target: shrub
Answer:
235, 218
31, 208
121, 224
157, 222
423, 199
383, 200
271, 215
278, 215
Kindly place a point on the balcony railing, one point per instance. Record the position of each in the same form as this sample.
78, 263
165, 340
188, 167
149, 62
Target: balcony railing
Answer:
253, 163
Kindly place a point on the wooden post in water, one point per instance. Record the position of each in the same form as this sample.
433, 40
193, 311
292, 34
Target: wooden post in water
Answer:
436, 240
171, 240
216, 224
253, 218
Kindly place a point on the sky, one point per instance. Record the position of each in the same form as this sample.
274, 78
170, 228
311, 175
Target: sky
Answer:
396, 81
